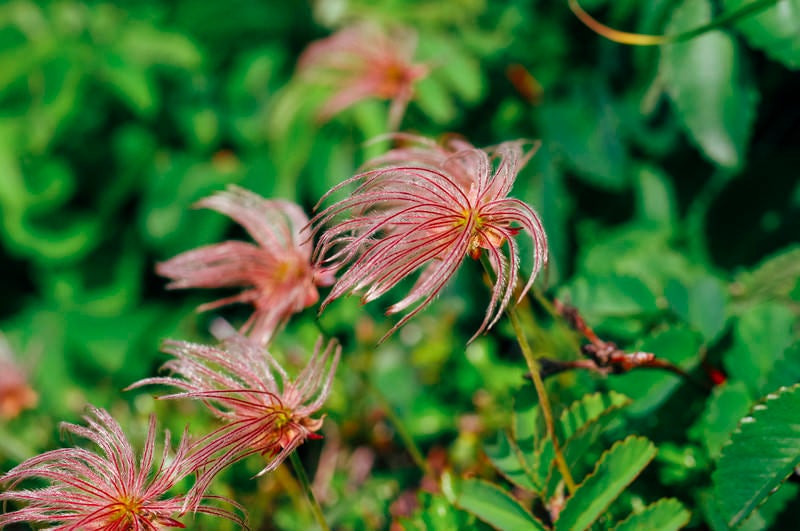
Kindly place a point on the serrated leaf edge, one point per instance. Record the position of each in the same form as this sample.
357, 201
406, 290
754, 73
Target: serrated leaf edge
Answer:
605, 455
761, 405
552, 467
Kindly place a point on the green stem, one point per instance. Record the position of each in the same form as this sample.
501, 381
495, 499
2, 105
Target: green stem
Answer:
302, 478
538, 384
544, 401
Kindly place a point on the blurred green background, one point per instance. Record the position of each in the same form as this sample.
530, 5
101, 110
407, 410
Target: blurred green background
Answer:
667, 181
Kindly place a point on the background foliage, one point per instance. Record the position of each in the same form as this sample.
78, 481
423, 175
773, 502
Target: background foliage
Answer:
667, 182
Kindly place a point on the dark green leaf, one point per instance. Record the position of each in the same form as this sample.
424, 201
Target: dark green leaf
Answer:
763, 451
761, 337
726, 405
585, 130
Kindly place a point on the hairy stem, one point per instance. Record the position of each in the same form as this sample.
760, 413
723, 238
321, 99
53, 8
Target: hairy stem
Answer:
538, 384
302, 478
544, 401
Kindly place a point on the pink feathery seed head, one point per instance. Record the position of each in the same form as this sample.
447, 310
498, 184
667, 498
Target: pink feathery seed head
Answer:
276, 271
262, 409
426, 207
106, 490
362, 62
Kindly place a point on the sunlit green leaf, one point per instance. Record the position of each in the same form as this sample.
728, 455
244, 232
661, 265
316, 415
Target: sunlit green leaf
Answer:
494, 506
655, 195
775, 30
132, 83
617, 468
711, 91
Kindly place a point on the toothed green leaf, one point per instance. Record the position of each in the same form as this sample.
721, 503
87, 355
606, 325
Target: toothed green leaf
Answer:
617, 468
763, 451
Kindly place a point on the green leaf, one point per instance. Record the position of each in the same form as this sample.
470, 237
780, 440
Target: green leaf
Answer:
759, 520
579, 426
655, 196
664, 515
714, 98
727, 404
165, 217
584, 128
460, 73
768, 512
587, 410
613, 296
494, 506
132, 83
145, 45
507, 458
761, 337
529, 463
528, 432
633, 250
773, 278
701, 304
617, 468
555, 208
528, 428
763, 451
775, 31
435, 101
786, 370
